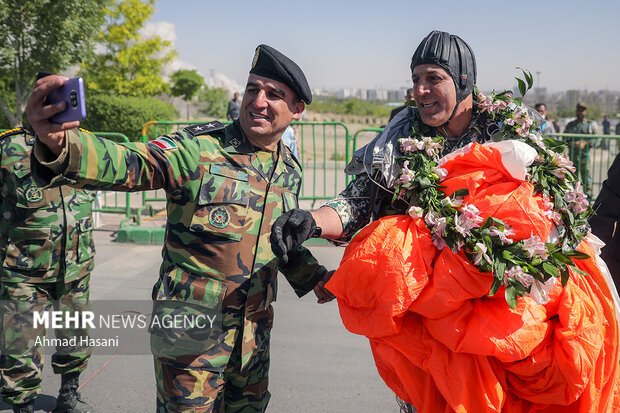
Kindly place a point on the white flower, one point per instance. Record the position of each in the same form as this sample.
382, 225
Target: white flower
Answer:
480, 253
415, 212
540, 291
455, 202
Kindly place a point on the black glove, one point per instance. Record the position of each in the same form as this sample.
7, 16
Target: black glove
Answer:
290, 231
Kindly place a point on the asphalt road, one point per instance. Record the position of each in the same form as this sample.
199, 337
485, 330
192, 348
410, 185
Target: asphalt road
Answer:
317, 366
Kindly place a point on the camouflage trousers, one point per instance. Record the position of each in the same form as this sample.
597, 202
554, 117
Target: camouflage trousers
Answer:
21, 360
186, 385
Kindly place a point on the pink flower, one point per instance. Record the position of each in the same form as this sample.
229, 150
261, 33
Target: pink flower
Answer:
539, 291
442, 173
534, 247
406, 174
516, 273
436, 223
468, 218
577, 200
480, 253
561, 161
503, 235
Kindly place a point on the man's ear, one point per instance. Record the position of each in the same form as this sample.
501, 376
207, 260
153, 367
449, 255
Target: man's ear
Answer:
298, 108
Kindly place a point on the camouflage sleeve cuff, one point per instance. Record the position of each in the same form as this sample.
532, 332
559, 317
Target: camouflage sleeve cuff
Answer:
353, 206
51, 170
57, 164
303, 272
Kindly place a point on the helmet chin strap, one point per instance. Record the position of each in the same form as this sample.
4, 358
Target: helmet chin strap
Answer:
445, 125
458, 103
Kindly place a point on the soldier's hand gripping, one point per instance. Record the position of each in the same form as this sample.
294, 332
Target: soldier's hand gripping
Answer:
290, 231
51, 134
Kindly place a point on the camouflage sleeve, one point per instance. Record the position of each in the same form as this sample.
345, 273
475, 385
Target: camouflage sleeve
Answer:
353, 206
98, 163
303, 271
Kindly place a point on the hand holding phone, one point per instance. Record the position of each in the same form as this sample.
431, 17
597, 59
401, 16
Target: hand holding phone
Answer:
72, 93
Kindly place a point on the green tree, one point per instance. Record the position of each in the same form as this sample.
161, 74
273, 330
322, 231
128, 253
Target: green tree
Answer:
186, 83
129, 65
215, 101
42, 35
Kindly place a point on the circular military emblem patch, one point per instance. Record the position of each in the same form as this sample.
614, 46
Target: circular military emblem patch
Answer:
219, 217
34, 194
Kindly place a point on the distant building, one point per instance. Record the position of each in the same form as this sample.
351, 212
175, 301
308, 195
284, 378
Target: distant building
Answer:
572, 98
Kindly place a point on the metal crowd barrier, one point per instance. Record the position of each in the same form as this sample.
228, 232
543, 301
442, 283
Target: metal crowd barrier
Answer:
592, 155
324, 150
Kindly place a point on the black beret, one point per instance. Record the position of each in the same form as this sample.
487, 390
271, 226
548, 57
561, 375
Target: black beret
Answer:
268, 62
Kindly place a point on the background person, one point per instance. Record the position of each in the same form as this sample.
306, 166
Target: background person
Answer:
288, 137
547, 126
234, 106
46, 254
225, 186
579, 148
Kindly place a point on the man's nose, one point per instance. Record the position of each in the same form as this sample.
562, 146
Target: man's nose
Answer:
261, 99
421, 88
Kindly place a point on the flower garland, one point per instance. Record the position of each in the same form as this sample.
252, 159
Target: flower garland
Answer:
529, 267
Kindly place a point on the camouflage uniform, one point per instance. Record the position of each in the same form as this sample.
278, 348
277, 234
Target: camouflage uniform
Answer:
579, 149
47, 254
223, 195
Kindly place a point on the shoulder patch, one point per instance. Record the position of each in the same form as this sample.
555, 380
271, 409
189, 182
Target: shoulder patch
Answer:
204, 128
16, 131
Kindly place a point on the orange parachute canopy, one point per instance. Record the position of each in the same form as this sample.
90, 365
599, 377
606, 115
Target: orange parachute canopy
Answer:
442, 344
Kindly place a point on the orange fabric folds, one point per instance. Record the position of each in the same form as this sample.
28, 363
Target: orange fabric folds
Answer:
441, 343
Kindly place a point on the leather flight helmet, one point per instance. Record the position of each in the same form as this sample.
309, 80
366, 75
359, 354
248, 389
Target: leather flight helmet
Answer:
454, 55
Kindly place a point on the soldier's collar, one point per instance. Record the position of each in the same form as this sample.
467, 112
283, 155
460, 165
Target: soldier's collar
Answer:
286, 155
235, 140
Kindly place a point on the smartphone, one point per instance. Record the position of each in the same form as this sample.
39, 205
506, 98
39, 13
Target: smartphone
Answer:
72, 92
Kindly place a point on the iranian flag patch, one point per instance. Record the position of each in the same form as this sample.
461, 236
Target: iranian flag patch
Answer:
165, 143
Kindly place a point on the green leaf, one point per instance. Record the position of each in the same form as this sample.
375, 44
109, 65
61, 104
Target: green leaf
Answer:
497, 136
577, 270
494, 287
460, 192
499, 267
550, 270
511, 296
521, 84
561, 258
578, 255
564, 275
508, 256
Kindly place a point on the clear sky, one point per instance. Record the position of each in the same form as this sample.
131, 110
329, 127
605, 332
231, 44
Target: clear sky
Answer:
368, 44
